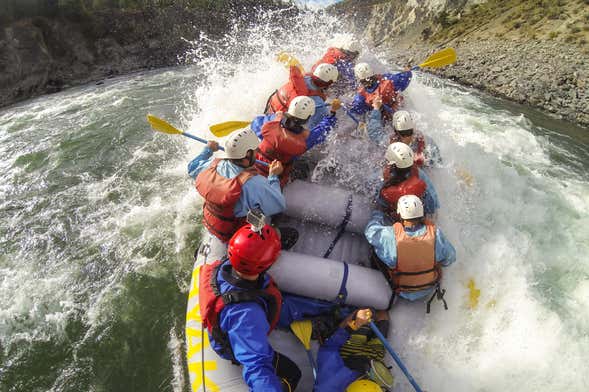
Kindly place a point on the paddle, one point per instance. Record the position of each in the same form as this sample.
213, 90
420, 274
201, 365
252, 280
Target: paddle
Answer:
394, 355
289, 60
302, 330
439, 59
225, 128
165, 127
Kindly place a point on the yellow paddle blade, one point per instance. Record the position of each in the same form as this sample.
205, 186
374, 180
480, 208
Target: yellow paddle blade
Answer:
302, 330
162, 126
439, 59
225, 128
473, 294
289, 60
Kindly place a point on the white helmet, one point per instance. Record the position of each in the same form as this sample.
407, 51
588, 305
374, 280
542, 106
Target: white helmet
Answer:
363, 71
239, 142
402, 121
400, 155
410, 207
302, 107
326, 72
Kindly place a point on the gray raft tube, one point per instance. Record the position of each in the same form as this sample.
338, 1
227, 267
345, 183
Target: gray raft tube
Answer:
327, 205
331, 280
320, 278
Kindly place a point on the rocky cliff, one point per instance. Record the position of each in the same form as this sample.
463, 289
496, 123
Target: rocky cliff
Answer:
46, 54
534, 52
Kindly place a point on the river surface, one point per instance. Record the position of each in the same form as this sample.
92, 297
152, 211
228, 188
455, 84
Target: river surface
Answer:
99, 220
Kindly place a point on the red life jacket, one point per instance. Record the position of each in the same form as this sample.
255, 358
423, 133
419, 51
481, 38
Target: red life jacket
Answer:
296, 86
332, 56
211, 301
416, 267
280, 144
221, 194
386, 90
413, 185
418, 153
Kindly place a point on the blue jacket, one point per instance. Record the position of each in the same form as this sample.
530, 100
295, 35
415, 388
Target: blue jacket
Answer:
332, 373
247, 327
375, 128
258, 192
380, 234
400, 80
321, 110
318, 133
431, 202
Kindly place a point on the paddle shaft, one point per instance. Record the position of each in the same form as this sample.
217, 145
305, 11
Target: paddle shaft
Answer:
394, 355
312, 362
199, 139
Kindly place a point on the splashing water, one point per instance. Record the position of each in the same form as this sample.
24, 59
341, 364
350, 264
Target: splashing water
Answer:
99, 221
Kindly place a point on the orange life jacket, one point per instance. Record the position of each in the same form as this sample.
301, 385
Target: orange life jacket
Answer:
386, 90
221, 194
211, 302
296, 86
279, 144
416, 267
413, 185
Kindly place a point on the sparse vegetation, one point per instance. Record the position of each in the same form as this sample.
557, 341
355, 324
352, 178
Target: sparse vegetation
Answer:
529, 19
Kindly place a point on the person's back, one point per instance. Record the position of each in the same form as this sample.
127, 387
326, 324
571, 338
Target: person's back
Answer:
402, 177
387, 87
413, 250
241, 305
285, 136
230, 185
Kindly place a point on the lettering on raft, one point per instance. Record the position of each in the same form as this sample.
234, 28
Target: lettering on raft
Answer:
197, 340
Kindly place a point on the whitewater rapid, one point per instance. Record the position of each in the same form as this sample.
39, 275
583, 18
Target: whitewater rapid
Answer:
99, 221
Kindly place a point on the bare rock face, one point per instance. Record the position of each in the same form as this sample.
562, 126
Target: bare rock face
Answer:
43, 55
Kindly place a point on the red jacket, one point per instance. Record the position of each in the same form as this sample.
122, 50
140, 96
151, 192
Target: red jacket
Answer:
386, 90
411, 186
296, 86
280, 144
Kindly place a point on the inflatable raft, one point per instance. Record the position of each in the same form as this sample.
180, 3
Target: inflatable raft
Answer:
340, 271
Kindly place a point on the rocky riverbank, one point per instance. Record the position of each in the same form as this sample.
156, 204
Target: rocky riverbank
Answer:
534, 52
548, 75
40, 55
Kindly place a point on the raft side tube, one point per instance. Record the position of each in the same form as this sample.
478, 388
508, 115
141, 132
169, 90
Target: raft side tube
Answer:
326, 279
327, 205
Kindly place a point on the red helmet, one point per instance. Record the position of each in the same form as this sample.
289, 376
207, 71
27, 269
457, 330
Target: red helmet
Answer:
251, 252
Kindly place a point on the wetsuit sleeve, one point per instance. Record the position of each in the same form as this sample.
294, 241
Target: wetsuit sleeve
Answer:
431, 202
337, 340
359, 105
321, 110
401, 80
201, 162
259, 122
247, 327
380, 234
263, 193
319, 133
375, 129
445, 252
